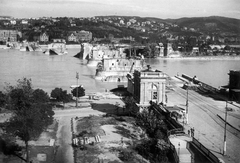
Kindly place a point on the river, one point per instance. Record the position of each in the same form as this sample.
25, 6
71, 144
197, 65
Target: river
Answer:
48, 72
210, 71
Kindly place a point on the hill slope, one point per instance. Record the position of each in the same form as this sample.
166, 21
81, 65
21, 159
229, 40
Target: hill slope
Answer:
211, 24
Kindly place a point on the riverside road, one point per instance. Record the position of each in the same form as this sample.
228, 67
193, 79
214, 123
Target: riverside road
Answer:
209, 128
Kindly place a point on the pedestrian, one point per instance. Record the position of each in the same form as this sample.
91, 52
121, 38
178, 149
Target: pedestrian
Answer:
191, 130
188, 132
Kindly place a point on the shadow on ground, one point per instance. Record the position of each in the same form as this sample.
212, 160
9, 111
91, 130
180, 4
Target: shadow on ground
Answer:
108, 108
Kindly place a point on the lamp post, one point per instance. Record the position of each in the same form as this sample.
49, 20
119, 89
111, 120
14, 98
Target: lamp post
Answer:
187, 106
77, 76
178, 149
225, 134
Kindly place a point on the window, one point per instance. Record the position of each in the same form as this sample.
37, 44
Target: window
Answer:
154, 95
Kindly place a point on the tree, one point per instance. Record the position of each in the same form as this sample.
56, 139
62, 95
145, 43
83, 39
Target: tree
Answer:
153, 124
9, 147
30, 114
61, 95
40, 96
2, 99
78, 91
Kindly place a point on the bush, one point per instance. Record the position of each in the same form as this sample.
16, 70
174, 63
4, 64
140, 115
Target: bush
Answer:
126, 154
83, 133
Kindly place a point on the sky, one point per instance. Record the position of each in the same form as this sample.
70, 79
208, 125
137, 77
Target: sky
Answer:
144, 8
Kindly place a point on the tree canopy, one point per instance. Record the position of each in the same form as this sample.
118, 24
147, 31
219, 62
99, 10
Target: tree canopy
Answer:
61, 95
2, 99
78, 91
31, 112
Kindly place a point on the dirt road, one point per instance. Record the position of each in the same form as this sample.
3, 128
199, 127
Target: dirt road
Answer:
64, 135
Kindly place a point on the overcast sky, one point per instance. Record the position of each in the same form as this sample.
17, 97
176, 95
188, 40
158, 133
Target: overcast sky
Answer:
144, 8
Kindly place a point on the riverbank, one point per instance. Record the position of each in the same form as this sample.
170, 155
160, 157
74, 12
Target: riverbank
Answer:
69, 46
224, 57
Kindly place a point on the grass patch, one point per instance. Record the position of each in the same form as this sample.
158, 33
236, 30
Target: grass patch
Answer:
90, 154
91, 126
108, 150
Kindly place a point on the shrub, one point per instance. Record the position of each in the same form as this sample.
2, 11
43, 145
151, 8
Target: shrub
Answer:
126, 154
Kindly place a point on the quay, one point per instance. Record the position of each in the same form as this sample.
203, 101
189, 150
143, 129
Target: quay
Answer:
206, 115
186, 108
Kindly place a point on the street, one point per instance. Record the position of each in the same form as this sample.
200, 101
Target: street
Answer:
64, 134
209, 128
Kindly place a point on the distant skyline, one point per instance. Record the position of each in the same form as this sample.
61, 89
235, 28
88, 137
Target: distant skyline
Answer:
144, 8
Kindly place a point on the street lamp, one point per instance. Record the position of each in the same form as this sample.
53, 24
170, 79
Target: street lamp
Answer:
225, 134
77, 76
178, 149
187, 106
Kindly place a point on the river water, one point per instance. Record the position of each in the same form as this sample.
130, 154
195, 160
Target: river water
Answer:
48, 72
212, 71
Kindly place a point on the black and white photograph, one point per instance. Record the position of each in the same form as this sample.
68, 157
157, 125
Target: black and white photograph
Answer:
119, 81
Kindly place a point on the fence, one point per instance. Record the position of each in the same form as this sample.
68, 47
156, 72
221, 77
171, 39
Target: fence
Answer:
205, 151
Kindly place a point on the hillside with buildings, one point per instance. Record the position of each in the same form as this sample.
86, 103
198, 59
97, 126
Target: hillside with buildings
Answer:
184, 34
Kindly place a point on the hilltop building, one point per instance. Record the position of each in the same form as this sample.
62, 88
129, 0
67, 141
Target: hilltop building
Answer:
147, 85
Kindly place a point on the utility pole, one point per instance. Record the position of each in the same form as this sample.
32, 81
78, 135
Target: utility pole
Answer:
225, 134
178, 149
187, 107
77, 76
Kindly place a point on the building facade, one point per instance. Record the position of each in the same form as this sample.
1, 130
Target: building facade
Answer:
72, 37
148, 85
8, 35
44, 37
84, 35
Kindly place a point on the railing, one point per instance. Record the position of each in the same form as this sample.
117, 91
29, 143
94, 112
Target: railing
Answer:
177, 128
206, 151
